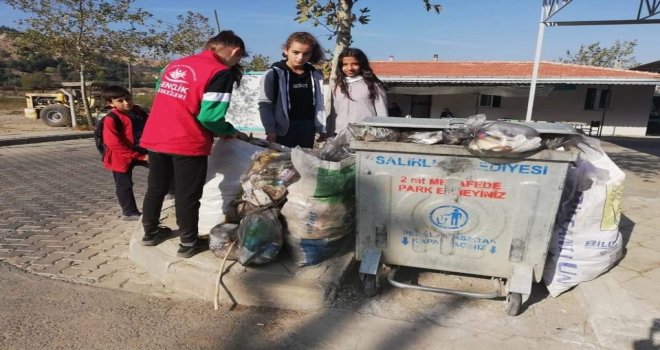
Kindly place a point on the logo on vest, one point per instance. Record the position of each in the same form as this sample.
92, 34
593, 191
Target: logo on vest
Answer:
175, 81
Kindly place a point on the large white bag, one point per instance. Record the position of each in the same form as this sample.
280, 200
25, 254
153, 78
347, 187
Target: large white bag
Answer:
318, 218
322, 178
586, 241
229, 159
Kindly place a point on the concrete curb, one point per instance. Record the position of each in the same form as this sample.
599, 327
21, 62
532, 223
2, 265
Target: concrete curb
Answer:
279, 284
22, 140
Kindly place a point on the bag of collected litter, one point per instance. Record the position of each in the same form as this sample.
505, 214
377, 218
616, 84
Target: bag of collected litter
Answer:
464, 133
268, 177
305, 252
229, 160
335, 148
504, 137
317, 218
586, 240
373, 133
220, 239
259, 237
322, 178
422, 137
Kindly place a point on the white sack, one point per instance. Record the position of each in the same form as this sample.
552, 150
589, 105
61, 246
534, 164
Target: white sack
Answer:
322, 178
318, 218
586, 240
229, 159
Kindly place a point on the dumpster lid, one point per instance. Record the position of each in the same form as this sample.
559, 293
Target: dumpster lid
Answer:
456, 123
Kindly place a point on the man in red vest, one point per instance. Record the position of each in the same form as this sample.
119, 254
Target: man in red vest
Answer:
189, 109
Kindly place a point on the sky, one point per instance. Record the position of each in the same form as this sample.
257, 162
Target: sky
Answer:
477, 30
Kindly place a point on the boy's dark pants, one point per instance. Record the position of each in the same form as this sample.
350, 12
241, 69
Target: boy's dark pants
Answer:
301, 133
124, 190
189, 173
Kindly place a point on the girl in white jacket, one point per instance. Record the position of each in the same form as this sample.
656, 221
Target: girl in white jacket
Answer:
357, 94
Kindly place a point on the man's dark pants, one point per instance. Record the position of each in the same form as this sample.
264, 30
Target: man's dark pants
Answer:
189, 173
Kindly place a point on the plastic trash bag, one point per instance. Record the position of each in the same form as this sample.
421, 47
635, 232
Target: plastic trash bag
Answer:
465, 132
335, 148
220, 239
422, 137
503, 137
259, 237
373, 134
268, 177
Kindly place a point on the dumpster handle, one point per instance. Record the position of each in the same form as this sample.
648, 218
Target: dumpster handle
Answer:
490, 295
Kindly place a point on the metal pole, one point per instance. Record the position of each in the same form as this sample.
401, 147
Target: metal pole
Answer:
535, 69
130, 77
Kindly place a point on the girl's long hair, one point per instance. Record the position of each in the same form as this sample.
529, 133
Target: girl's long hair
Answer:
365, 70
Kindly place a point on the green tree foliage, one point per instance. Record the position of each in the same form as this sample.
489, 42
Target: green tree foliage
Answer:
36, 80
189, 35
259, 63
80, 31
619, 55
338, 18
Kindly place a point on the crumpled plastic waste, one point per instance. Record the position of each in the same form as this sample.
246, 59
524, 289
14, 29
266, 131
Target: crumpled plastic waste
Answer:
422, 137
259, 237
373, 134
220, 239
505, 137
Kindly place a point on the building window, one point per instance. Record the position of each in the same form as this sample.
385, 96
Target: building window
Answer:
420, 106
598, 98
490, 101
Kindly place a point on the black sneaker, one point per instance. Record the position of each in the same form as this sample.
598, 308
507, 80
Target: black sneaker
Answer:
131, 216
155, 238
199, 246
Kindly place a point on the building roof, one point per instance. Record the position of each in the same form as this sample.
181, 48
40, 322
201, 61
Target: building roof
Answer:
506, 72
649, 67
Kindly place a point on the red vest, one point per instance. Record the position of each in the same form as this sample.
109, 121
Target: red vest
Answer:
172, 126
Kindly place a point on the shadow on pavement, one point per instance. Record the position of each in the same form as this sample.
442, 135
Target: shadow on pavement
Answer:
648, 145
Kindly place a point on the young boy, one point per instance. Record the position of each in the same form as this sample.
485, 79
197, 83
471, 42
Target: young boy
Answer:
122, 129
188, 110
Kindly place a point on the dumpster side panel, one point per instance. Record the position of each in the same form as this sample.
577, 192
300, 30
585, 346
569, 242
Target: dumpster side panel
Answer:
457, 213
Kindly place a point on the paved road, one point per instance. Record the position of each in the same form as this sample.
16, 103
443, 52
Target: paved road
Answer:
59, 217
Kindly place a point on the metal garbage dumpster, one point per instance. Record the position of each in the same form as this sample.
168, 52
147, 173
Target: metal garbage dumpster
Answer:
441, 207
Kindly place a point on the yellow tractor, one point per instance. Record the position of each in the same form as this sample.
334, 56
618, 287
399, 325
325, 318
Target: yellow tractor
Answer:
63, 108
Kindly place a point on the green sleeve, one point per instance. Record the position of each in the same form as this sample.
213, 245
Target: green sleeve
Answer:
215, 104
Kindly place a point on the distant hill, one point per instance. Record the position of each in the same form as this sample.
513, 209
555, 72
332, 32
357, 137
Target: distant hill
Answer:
15, 67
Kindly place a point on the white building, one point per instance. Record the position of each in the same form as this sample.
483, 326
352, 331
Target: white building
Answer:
619, 99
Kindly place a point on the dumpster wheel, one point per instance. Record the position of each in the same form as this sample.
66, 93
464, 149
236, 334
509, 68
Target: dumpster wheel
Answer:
513, 304
369, 284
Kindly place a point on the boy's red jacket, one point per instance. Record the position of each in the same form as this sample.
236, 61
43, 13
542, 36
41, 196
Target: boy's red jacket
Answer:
119, 142
190, 106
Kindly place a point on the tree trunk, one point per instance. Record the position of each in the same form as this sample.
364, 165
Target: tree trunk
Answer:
83, 93
130, 77
344, 21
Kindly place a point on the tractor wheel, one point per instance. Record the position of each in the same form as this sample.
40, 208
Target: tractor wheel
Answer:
56, 115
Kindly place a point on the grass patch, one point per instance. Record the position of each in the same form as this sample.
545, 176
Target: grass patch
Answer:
8, 103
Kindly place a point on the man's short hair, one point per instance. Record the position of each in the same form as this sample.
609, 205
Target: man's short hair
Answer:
115, 91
